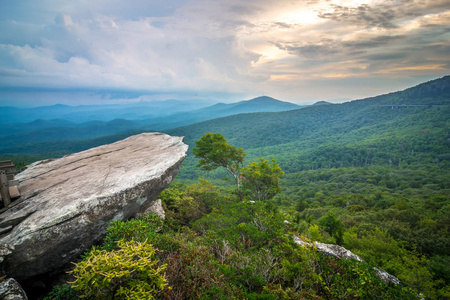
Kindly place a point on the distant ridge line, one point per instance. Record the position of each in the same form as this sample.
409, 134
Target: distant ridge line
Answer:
411, 105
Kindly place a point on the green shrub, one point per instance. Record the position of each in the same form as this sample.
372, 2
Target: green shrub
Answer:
142, 229
130, 272
262, 179
332, 225
314, 233
351, 279
189, 205
62, 292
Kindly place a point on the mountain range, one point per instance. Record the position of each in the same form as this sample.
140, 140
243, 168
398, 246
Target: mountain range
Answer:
86, 113
287, 128
385, 128
166, 115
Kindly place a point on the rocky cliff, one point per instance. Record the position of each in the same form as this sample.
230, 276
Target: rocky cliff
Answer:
68, 203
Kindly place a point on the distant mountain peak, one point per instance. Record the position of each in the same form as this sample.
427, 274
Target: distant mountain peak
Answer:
268, 101
264, 98
322, 103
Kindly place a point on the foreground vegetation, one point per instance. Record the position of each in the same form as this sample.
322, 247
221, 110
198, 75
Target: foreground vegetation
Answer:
212, 246
215, 245
393, 217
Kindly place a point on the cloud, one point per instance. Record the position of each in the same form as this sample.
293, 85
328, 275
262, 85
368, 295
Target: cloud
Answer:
386, 56
366, 41
131, 53
382, 16
319, 50
335, 50
208, 47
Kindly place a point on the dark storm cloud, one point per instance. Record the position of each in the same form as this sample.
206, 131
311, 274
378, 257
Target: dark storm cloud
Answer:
382, 40
324, 48
383, 15
364, 15
331, 49
386, 56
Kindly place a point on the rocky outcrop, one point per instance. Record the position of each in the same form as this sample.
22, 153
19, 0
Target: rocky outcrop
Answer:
156, 208
386, 277
341, 252
336, 251
10, 289
68, 203
5, 249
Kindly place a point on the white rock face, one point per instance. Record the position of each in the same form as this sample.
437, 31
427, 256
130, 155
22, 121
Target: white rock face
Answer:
336, 251
68, 203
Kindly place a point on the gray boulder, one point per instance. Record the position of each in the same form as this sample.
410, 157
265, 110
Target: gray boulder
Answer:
156, 208
386, 277
336, 251
10, 289
68, 203
5, 250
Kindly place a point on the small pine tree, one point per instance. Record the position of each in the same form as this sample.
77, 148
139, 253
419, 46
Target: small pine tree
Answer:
262, 179
214, 152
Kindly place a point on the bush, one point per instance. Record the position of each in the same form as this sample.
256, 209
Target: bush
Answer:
262, 180
62, 292
191, 204
333, 226
142, 229
130, 272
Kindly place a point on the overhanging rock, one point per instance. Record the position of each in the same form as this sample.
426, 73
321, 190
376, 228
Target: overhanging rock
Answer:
68, 203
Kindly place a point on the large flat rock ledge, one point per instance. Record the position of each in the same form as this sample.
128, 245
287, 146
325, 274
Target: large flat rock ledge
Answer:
68, 203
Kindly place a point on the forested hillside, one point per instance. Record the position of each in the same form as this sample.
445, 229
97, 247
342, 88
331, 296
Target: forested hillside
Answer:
357, 133
372, 175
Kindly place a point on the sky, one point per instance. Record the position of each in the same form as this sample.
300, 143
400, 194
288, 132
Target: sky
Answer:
114, 51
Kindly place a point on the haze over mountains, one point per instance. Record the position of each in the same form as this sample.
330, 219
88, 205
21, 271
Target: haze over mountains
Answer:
51, 123
256, 123
86, 113
139, 110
